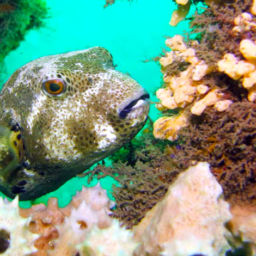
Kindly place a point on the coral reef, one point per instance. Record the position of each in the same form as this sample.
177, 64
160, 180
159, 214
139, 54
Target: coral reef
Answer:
189, 220
93, 211
15, 237
212, 81
242, 69
144, 172
227, 142
187, 89
215, 121
44, 220
193, 194
119, 242
76, 228
243, 226
16, 18
216, 29
60, 225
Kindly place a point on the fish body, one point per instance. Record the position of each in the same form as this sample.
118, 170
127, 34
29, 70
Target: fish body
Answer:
61, 114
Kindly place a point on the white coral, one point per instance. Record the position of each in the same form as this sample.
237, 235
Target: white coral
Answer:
112, 241
189, 220
92, 211
21, 239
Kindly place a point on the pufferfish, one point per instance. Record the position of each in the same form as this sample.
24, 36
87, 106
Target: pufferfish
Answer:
60, 114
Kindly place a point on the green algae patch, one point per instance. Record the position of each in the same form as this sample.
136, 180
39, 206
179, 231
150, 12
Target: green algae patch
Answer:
16, 18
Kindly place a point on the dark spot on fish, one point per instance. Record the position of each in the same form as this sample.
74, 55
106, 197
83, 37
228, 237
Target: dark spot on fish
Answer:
15, 143
90, 80
15, 127
26, 164
18, 189
22, 183
19, 136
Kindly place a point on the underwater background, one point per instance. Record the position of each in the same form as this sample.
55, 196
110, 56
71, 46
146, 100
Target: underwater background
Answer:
185, 185
133, 31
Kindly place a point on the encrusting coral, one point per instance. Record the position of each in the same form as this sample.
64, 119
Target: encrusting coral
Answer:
245, 70
223, 134
74, 230
189, 220
120, 242
92, 211
243, 226
218, 125
44, 220
187, 90
15, 237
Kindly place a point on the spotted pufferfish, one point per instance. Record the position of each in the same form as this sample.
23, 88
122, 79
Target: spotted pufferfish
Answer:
61, 114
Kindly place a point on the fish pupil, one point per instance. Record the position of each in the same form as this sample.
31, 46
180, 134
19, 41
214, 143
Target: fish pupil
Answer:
54, 87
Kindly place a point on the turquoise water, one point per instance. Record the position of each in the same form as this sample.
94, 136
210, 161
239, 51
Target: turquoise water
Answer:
132, 31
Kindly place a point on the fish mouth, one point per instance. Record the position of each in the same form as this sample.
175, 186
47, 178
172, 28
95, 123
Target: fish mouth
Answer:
136, 107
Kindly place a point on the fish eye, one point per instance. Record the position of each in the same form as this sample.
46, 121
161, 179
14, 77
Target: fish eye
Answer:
54, 87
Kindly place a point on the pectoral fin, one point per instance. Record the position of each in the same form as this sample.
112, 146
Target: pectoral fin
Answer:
11, 151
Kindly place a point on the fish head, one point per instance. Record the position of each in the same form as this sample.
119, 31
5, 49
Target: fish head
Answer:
73, 110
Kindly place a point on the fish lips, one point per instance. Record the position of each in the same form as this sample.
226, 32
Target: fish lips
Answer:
135, 107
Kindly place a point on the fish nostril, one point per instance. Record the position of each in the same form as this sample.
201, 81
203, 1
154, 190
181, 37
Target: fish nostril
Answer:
125, 111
